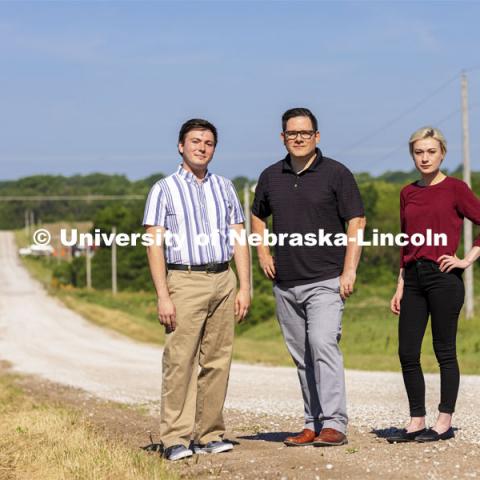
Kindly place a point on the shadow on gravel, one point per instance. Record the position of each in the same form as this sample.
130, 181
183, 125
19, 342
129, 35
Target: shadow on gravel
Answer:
385, 432
268, 436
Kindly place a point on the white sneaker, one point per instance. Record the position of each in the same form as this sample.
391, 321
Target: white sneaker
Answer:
213, 447
177, 452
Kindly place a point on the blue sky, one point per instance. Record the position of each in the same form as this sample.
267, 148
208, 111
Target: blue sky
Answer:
104, 86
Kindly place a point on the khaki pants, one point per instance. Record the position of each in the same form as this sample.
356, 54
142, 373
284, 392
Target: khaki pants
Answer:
197, 357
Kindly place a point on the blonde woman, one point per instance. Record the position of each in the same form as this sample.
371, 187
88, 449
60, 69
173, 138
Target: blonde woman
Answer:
430, 281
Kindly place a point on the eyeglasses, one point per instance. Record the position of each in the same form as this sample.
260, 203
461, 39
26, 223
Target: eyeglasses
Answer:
292, 134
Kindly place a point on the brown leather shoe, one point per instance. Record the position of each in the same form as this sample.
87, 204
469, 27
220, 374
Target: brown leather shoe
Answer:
302, 439
329, 437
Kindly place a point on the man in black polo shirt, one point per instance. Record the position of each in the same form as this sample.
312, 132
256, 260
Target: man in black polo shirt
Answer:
307, 193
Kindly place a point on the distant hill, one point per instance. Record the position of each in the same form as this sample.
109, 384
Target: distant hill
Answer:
12, 214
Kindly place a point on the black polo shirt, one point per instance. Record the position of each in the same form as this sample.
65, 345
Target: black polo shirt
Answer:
324, 197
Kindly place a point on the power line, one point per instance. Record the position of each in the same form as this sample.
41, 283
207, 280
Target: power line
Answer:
403, 145
400, 116
56, 198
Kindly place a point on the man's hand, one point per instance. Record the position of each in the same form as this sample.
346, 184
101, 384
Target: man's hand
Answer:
352, 257
267, 264
242, 303
166, 314
347, 282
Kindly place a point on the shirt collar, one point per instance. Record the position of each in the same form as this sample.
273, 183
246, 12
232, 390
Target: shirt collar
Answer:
189, 176
287, 164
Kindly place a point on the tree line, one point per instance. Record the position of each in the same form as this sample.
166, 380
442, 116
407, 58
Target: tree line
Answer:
378, 265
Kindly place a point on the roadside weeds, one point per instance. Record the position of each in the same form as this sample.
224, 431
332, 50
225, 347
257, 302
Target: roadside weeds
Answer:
45, 440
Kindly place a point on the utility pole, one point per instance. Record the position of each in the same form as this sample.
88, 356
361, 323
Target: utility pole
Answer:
32, 219
114, 262
248, 228
88, 260
467, 225
27, 225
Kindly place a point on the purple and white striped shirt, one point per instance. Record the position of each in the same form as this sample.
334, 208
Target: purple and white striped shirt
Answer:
199, 215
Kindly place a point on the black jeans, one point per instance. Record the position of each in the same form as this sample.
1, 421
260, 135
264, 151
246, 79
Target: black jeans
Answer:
428, 291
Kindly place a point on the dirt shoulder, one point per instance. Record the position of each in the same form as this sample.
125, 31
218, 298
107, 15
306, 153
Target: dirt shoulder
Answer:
259, 451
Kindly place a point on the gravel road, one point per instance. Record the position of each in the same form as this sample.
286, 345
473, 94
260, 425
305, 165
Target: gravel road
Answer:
40, 336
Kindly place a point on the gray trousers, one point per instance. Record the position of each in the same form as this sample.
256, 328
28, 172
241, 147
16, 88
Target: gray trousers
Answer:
310, 317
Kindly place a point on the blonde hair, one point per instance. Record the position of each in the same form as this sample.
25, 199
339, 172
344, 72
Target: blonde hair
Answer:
428, 132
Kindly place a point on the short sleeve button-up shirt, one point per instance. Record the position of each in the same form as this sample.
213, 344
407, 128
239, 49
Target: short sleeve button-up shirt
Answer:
197, 214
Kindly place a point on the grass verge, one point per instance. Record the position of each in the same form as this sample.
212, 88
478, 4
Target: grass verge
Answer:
369, 340
47, 441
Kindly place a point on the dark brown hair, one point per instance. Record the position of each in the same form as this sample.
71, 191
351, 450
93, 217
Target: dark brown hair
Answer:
196, 124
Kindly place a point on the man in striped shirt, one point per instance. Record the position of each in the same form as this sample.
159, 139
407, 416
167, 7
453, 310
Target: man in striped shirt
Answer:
194, 210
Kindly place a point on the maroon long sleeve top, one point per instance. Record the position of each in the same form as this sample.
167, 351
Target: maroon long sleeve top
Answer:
441, 208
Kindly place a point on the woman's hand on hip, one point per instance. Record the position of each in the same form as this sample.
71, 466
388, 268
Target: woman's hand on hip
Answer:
449, 262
